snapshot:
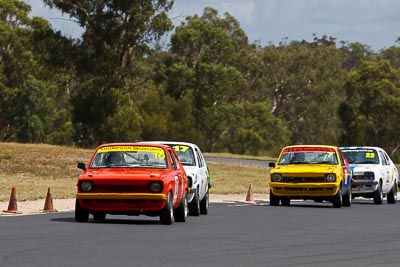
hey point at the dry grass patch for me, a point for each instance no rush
(235, 156)
(33, 168)
(236, 179)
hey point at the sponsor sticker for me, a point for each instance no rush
(309, 149)
(158, 151)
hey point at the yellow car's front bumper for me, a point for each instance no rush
(304, 189)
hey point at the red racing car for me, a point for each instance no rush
(132, 179)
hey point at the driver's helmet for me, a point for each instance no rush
(114, 158)
(299, 157)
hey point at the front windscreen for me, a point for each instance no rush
(129, 156)
(308, 155)
(185, 154)
(361, 156)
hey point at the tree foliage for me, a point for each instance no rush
(34, 100)
(372, 102)
(211, 86)
(300, 79)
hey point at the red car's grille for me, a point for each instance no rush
(104, 188)
(122, 201)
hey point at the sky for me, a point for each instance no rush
(375, 23)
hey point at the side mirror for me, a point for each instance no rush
(271, 164)
(81, 166)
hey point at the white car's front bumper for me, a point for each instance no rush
(363, 186)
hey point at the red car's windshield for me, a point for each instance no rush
(129, 156)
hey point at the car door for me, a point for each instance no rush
(203, 172)
(347, 174)
(178, 174)
(386, 171)
(181, 174)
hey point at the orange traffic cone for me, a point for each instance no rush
(12, 206)
(48, 204)
(250, 197)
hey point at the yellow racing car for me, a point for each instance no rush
(316, 172)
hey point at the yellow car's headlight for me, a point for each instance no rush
(276, 177)
(330, 177)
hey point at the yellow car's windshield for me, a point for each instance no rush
(310, 155)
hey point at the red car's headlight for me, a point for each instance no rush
(86, 186)
(156, 187)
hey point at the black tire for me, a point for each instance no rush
(167, 213)
(273, 200)
(99, 216)
(392, 195)
(285, 201)
(204, 204)
(378, 195)
(194, 205)
(181, 212)
(81, 215)
(348, 198)
(337, 200)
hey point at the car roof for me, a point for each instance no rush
(326, 146)
(134, 144)
(360, 147)
(170, 143)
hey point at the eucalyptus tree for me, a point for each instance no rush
(303, 83)
(210, 63)
(253, 130)
(353, 54)
(13, 19)
(391, 54)
(16, 60)
(33, 70)
(211, 48)
(116, 35)
(372, 106)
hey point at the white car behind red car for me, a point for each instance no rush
(196, 169)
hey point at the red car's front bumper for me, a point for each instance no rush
(121, 203)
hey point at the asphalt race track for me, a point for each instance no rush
(234, 234)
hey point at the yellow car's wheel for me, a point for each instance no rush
(347, 198)
(285, 201)
(337, 200)
(273, 200)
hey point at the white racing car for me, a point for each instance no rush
(197, 172)
(374, 173)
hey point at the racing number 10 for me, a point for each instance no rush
(159, 155)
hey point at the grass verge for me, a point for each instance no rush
(33, 168)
